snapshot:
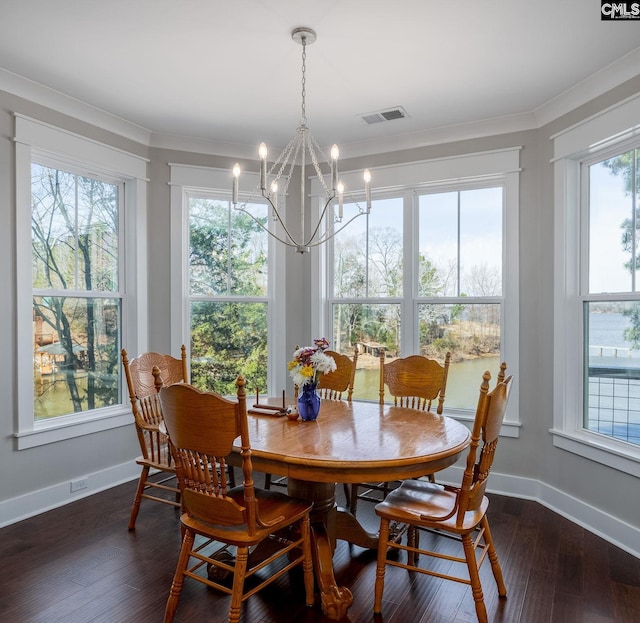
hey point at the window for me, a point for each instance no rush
(76, 298)
(228, 288)
(612, 323)
(426, 272)
(80, 205)
(223, 285)
(367, 289)
(597, 315)
(459, 303)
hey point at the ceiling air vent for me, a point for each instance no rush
(384, 115)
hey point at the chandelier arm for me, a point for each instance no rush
(326, 238)
(324, 210)
(293, 243)
(290, 243)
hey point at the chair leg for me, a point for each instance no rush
(239, 572)
(267, 482)
(474, 576)
(493, 558)
(347, 494)
(178, 577)
(307, 561)
(413, 541)
(381, 564)
(353, 499)
(135, 508)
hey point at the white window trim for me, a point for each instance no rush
(615, 125)
(501, 166)
(35, 137)
(189, 179)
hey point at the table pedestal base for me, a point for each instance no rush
(334, 599)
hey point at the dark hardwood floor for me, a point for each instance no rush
(79, 564)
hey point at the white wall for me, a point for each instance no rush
(595, 495)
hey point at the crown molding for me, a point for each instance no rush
(613, 75)
(599, 83)
(72, 107)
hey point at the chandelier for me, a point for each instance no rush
(274, 182)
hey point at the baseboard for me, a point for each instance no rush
(611, 529)
(606, 526)
(36, 502)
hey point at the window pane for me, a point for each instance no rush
(384, 250)
(371, 328)
(350, 260)
(76, 354)
(438, 244)
(481, 242)
(460, 243)
(612, 338)
(368, 253)
(472, 334)
(613, 243)
(228, 339)
(227, 250)
(97, 235)
(74, 231)
(248, 272)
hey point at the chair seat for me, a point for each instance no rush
(416, 498)
(276, 509)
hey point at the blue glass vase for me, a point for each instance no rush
(309, 402)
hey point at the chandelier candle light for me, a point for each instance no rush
(280, 173)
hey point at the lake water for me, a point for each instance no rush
(608, 330)
(607, 344)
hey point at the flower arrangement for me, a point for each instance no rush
(309, 362)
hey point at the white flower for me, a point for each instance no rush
(322, 362)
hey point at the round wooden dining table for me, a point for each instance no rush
(350, 442)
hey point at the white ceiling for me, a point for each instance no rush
(228, 73)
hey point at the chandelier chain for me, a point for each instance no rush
(303, 119)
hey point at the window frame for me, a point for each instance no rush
(39, 142)
(190, 180)
(499, 167)
(613, 130)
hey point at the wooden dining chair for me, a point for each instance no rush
(415, 382)
(145, 375)
(202, 428)
(457, 512)
(331, 386)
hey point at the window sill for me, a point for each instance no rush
(619, 455)
(49, 432)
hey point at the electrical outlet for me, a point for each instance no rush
(76, 485)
